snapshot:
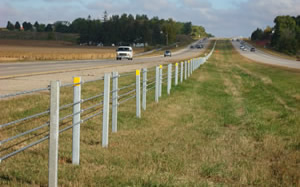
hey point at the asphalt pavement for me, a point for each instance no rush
(20, 76)
(8, 70)
(265, 58)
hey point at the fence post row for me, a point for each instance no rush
(115, 95)
(105, 119)
(186, 69)
(144, 99)
(160, 79)
(138, 94)
(156, 84)
(76, 120)
(54, 134)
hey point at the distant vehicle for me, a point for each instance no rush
(192, 47)
(244, 49)
(124, 52)
(252, 49)
(199, 46)
(167, 53)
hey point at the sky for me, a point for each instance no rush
(222, 18)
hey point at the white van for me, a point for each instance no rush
(124, 52)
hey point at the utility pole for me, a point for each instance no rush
(167, 38)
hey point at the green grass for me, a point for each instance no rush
(232, 123)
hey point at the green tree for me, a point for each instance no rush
(284, 37)
(49, 28)
(187, 28)
(41, 27)
(36, 26)
(267, 33)
(62, 26)
(17, 26)
(257, 34)
(10, 26)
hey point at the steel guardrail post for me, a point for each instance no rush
(76, 120)
(156, 84)
(160, 80)
(176, 74)
(185, 70)
(169, 78)
(181, 72)
(144, 99)
(189, 68)
(138, 93)
(105, 121)
(54, 134)
(114, 110)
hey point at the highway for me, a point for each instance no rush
(20, 76)
(265, 58)
(18, 69)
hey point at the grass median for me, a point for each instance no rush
(233, 123)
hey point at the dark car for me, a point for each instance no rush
(167, 53)
(199, 46)
(252, 49)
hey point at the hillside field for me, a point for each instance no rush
(41, 50)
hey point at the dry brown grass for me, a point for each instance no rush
(31, 50)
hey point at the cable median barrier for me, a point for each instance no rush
(101, 96)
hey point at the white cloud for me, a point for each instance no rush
(236, 18)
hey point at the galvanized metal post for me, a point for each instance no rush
(76, 120)
(176, 74)
(171, 68)
(169, 78)
(190, 68)
(185, 70)
(144, 99)
(160, 79)
(105, 121)
(193, 64)
(54, 134)
(138, 94)
(114, 110)
(181, 72)
(156, 83)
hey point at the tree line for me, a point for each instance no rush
(283, 37)
(118, 29)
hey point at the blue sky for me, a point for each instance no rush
(223, 18)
